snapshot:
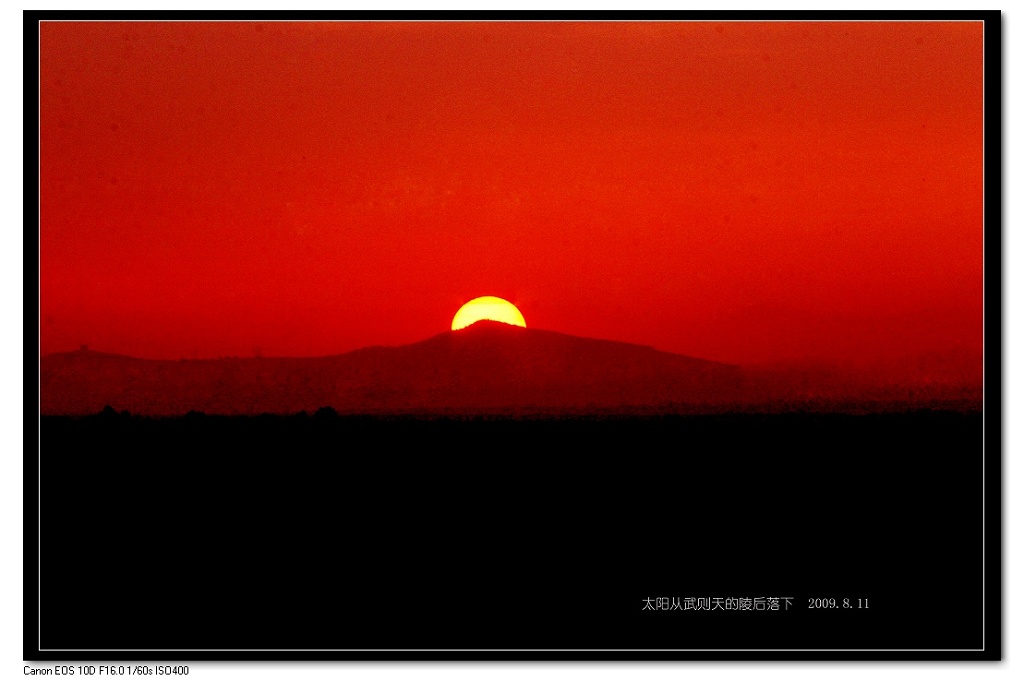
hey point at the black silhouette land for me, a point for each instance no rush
(504, 489)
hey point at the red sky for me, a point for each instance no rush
(735, 191)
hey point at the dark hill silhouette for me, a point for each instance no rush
(488, 367)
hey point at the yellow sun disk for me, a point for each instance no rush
(487, 307)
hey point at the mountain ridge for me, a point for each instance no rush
(488, 367)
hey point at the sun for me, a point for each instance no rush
(487, 307)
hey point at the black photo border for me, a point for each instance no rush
(993, 346)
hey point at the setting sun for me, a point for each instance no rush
(487, 307)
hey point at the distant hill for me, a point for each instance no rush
(486, 368)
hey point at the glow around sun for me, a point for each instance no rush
(487, 307)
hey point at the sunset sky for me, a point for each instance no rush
(745, 192)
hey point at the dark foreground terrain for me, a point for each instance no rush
(374, 533)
